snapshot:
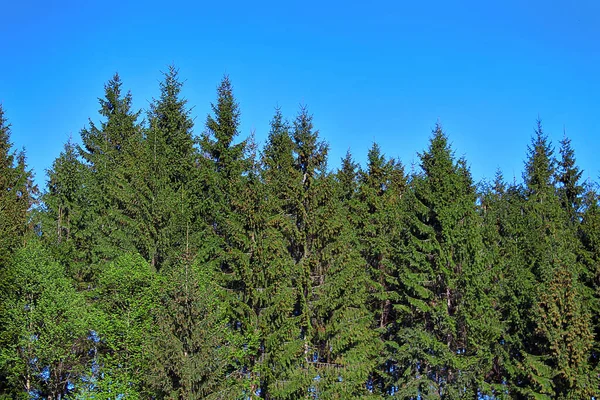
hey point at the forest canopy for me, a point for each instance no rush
(171, 259)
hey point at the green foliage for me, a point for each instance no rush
(444, 307)
(63, 223)
(568, 177)
(45, 336)
(169, 170)
(126, 297)
(170, 266)
(566, 325)
(17, 194)
(108, 149)
(192, 345)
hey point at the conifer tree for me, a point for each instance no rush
(108, 149)
(378, 216)
(347, 176)
(340, 345)
(443, 330)
(568, 177)
(549, 363)
(63, 216)
(230, 183)
(17, 194)
(275, 272)
(191, 348)
(510, 284)
(381, 187)
(565, 323)
(170, 168)
(590, 239)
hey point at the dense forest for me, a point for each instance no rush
(165, 260)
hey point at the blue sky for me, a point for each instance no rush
(368, 71)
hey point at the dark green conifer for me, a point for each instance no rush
(568, 177)
(192, 349)
(443, 327)
(232, 192)
(63, 221)
(340, 346)
(171, 170)
(17, 194)
(347, 176)
(108, 150)
(275, 299)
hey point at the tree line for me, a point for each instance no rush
(159, 263)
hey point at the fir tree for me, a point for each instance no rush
(191, 350)
(276, 273)
(63, 222)
(170, 169)
(568, 177)
(17, 194)
(107, 150)
(443, 329)
(230, 183)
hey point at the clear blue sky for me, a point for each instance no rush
(368, 71)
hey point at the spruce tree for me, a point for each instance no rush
(590, 238)
(347, 176)
(380, 191)
(340, 346)
(229, 182)
(550, 355)
(192, 349)
(565, 323)
(443, 330)
(63, 223)
(377, 215)
(17, 194)
(510, 285)
(568, 177)
(276, 295)
(170, 170)
(108, 149)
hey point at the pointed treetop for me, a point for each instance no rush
(277, 123)
(347, 176)
(499, 184)
(569, 178)
(539, 167)
(170, 87)
(348, 165)
(115, 131)
(312, 153)
(113, 103)
(6, 158)
(225, 123)
(279, 143)
(439, 156)
(376, 161)
(221, 129)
